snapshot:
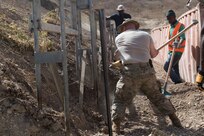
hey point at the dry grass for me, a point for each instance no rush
(18, 35)
(14, 35)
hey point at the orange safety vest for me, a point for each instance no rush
(182, 45)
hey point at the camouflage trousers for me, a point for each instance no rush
(138, 78)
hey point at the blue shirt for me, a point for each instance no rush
(119, 18)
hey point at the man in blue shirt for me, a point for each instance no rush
(120, 16)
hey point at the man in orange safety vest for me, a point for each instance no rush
(175, 27)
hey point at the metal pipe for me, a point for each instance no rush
(194, 23)
(36, 20)
(105, 66)
(66, 89)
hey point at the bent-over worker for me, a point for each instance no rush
(134, 49)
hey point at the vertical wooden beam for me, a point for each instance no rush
(58, 84)
(75, 24)
(83, 70)
(36, 21)
(93, 47)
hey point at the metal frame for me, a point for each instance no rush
(51, 57)
(61, 56)
(76, 24)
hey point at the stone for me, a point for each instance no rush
(19, 108)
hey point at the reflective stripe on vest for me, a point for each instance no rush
(182, 45)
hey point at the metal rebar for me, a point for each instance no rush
(105, 66)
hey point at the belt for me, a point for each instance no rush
(137, 69)
(138, 64)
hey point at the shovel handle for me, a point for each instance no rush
(173, 38)
(170, 65)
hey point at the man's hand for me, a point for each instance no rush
(116, 55)
(116, 65)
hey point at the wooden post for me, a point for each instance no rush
(83, 70)
(36, 24)
(93, 48)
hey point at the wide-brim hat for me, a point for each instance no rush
(128, 21)
(120, 7)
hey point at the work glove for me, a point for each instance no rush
(116, 65)
(200, 80)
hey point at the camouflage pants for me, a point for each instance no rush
(135, 78)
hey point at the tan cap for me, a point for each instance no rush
(120, 7)
(127, 21)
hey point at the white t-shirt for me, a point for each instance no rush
(134, 46)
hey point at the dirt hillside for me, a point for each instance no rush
(149, 13)
(19, 113)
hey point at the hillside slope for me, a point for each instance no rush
(149, 13)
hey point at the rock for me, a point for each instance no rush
(34, 129)
(1, 72)
(6, 102)
(56, 126)
(79, 122)
(9, 111)
(157, 132)
(187, 125)
(102, 123)
(104, 130)
(2, 88)
(19, 108)
(46, 122)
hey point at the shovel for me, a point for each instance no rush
(163, 89)
(194, 22)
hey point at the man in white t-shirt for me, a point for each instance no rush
(134, 49)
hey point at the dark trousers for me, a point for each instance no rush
(174, 73)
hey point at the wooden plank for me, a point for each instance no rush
(57, 29)
(58, 81)
(82, 79)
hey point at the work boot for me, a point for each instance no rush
(116, 128)
(175, 121)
